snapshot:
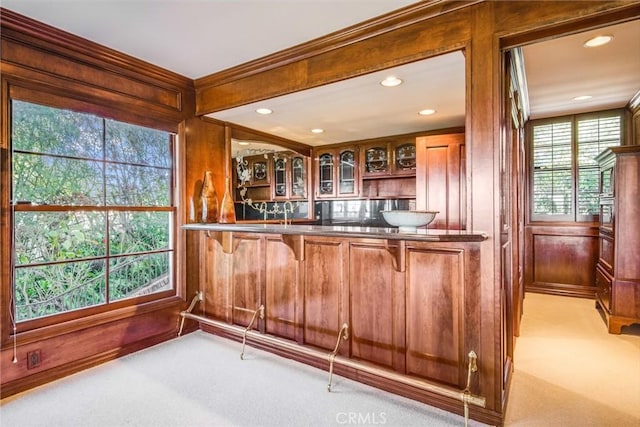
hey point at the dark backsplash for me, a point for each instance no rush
(357, 212)
(246, 212)
(330, 212)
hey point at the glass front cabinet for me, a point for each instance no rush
(279, 178)
(376, 160)
(389, 158)
(337, 173)
(290, 173)
(299, 178)
(404, 157)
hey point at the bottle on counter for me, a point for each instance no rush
(209, 199)
(227, 209)
(195, 211)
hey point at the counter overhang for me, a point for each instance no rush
(429, 235)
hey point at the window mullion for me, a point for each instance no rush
(107, 219)
(574, 168)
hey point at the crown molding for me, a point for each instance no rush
(403, 17)
(35, 33)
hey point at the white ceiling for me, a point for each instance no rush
(361, 108)
(195, 38)
(199, 37)
(559, 70)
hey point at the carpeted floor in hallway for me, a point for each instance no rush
(569, 371)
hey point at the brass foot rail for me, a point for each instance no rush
(260, 311)
(342, 335)
(462, 396)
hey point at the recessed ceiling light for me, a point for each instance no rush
(317, 130)
(582, 98)
(243, 143)
(391, 81)
(264, 111)
(427, 112)
(598, 41)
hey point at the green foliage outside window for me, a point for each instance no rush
(77, 240)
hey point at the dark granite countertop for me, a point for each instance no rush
(430, 235)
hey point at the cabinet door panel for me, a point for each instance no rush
(441, 179)
(337, 173)
(280, 190)
(436, 172)
(214, 277)
(435, 314)
(260, 171)
(375, 159)
(347, 165)
(603, 288)
(606, 253)
(325, 175)
(281, 290)
(376, 307)
(246, 279)
(404, 157)
(324, 293)
(299, 180)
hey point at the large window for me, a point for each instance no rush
(93, 211)
(564, 173)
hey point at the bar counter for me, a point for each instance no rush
(400, 311)
(429, 235)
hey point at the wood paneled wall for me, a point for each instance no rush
(203, 149)
(62, 354)
(113, 84)
(561, 260)
(45, 65)
(44, 58)
(420, 31)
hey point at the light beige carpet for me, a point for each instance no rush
(199, 380)
(569, 371)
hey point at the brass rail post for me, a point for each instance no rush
(342, 335)
(466, 393)
(259, 311)
(197, 298)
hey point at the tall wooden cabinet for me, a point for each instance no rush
(441, 179)
(618, 269)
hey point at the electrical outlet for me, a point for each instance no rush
(33, 359)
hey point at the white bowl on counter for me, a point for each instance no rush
(408, 221)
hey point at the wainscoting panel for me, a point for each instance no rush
(561, 259)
